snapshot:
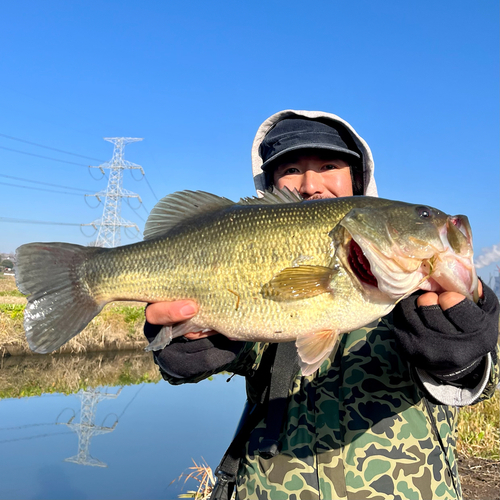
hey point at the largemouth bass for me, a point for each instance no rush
(270, 269)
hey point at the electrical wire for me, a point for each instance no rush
(47, 147)
(29, 221)
(149, 185)
(35, 437)
(44, 157)
(39, 189)
(44, 183)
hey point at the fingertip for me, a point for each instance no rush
(167, 313)
(188, 309)
(428, 299)
(450, 299)
(480, 290)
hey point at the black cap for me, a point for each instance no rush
(293, 134)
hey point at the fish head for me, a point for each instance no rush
(399, 248)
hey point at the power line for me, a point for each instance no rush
(149, 185)
(44, 157)
(39, 182)
(34, 437)
(25, 426)
(39, 189)
(29, 221)
(48, 147)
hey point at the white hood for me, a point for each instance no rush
(370, 188)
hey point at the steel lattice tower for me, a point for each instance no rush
(111, 222)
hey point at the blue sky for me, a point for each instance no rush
(418, 80)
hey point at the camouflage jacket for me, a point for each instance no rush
(361, 427)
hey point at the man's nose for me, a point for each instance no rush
(312, 183)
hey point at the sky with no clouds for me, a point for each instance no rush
(418, 80)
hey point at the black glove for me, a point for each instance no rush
(184, 358)
(447, 344)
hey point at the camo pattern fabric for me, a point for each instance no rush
(359, 428)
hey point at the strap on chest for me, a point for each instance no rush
(283, 370)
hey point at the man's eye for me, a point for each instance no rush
(290, 170)
(330, 166)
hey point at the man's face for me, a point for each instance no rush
(315, 177)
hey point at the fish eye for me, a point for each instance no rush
(424, 212)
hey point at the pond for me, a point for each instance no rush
(106, 426)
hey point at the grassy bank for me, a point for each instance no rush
(479, 429)
(118, 326)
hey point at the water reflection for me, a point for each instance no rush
(86, 428)
(151, 431)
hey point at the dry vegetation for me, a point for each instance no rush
(119, 326)
(479, 429)
(202, 473)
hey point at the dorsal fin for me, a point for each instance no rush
(274, 197)
(180, 207)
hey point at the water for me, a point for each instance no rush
(122, 441)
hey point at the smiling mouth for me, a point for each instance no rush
(360, 265)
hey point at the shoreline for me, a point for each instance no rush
(118, 327)
(7, 351)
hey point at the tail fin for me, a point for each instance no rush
(60, 304)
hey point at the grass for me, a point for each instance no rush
(11, 293)
(203, 475)
(119, 324)
(478, 429)
(14, 311)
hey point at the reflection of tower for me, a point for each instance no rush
(111, 221)
(86, 429)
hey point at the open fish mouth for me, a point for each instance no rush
(445, 265)
(453, 269)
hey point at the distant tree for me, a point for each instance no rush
(7, 263)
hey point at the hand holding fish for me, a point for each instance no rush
(446, 335)
(445, 300)
(169, 313)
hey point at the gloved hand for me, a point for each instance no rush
(184, 358)
(447, 344)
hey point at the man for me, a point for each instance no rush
(377, 420)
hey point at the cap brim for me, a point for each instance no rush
(327, 147)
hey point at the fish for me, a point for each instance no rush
(271, 269)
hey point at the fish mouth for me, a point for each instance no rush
(360, 265)
(453, 269)
(397, 273)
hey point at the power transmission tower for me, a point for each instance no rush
(111, 222)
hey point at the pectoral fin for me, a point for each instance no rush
(314, 348)
(300, 282)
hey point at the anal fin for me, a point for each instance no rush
(314, 348)
(161, 340)
(167, 333)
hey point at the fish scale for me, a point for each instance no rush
(268, 270)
